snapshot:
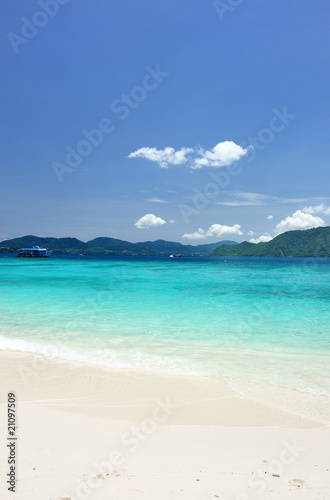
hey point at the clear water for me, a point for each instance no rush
(263, 325)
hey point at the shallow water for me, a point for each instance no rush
(263, 325)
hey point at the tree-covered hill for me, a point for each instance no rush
(104, 245)
(307, 243)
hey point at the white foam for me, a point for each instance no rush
(108, 358)
(307, 397)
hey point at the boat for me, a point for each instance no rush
(35, 252)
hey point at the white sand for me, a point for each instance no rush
(86, 432)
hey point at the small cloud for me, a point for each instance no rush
(156, 200)
(302, 200)
(262, 239)
(216, 230)
(164, 157)
(255, 197)
(239, 199)
(172, 221)
(197, 235)
(219, 230)
(223, 154)
(167, 190)
(322, 208)
(233, 203)
(270, 217)
(299, 220)
(149, 220)
(250, 233)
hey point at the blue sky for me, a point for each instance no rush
(192, 121)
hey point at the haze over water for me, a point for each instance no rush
(262, 325)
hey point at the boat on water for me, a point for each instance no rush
(35, 252)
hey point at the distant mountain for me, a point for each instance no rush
(109, 245)
(50, 243)
(113, 246)
(308, 243)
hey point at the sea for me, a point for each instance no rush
(262, 325)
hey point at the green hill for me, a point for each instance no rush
(104, 245)
(308, 243)
(58, 244)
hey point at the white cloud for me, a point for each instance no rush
(216, 230)
(238, 198)
(270, 217)
(149, 220)
(219, 230)
(234, 203)
(299, 220)
(322, 208)
(223, 154)
(156, 200)
(244, 199)
(313, 199)
(262, 239)
(197, 235)
(164, 157)
(250, 233)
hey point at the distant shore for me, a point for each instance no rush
(87, 430)
(308, 243)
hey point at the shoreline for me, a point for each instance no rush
(198, 400)
(90, 432)
(160, 256)
(301, 400)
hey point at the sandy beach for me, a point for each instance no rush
(165, 250)
(88, 432)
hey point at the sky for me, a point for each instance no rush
(186, 120)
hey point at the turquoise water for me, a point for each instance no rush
(260, 324)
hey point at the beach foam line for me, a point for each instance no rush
(115, 360)
(303, 401)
